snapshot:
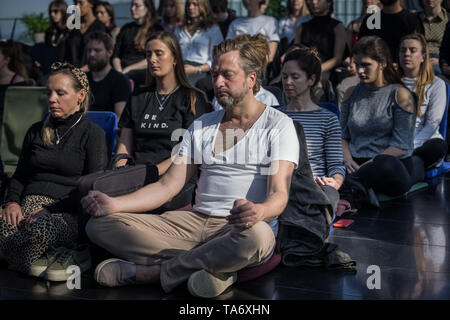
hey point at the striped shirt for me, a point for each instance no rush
(323, 139)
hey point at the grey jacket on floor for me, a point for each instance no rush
(306, 220)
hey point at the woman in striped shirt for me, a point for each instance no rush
(300, 73)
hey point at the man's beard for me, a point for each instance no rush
(97, 65)
(229, 101)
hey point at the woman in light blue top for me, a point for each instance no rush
(296, 13)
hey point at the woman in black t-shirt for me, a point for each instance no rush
(167, 104)
(154, 113)
(129, 50)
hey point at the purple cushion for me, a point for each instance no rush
(251, 273)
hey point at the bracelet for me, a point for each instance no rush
(200, 69)
(8, 203)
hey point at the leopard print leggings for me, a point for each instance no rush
(23, 245)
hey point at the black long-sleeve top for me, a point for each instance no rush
(125, 49)
(53, 171)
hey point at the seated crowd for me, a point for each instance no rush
(248, 95)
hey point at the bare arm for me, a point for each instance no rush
(190, 69)
(339, 47)
(349, 35)
(125, 144)
(141, 65)
(164, 166)
(118, 108)
(116, 64)
(349, 163)
(273, 50)
(246, 213)
(393, 151)
(145, 199)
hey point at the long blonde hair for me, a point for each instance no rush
(48, 132)
(172, 43)
(303, 12)
(426, 73)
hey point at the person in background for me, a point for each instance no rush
(257, 22)
(444, 54)
(418, 76)
(38, 227)
(197, 37)
(222, 15)
(349, 81)
(378, 120)
(57, 33)
(110, 88)
(12, 67)
(300, 73)
(296, 13)
(104, 12)
(396, 22)
(354, 26)
(325, 34)
(171, 13)
(129, 50)
(434, 19)
(74, 51)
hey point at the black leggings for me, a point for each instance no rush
(390, 175)
(432, 151)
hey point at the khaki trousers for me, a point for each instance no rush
(182, 242)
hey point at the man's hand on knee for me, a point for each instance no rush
(98, 204)
(245, 214)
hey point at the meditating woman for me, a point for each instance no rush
(39, 223)
(378, 120)
(300, 74)
(155, 112)
(418, 76)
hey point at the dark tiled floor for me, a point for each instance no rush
(409, 239)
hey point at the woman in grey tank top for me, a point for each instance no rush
(378, 119)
